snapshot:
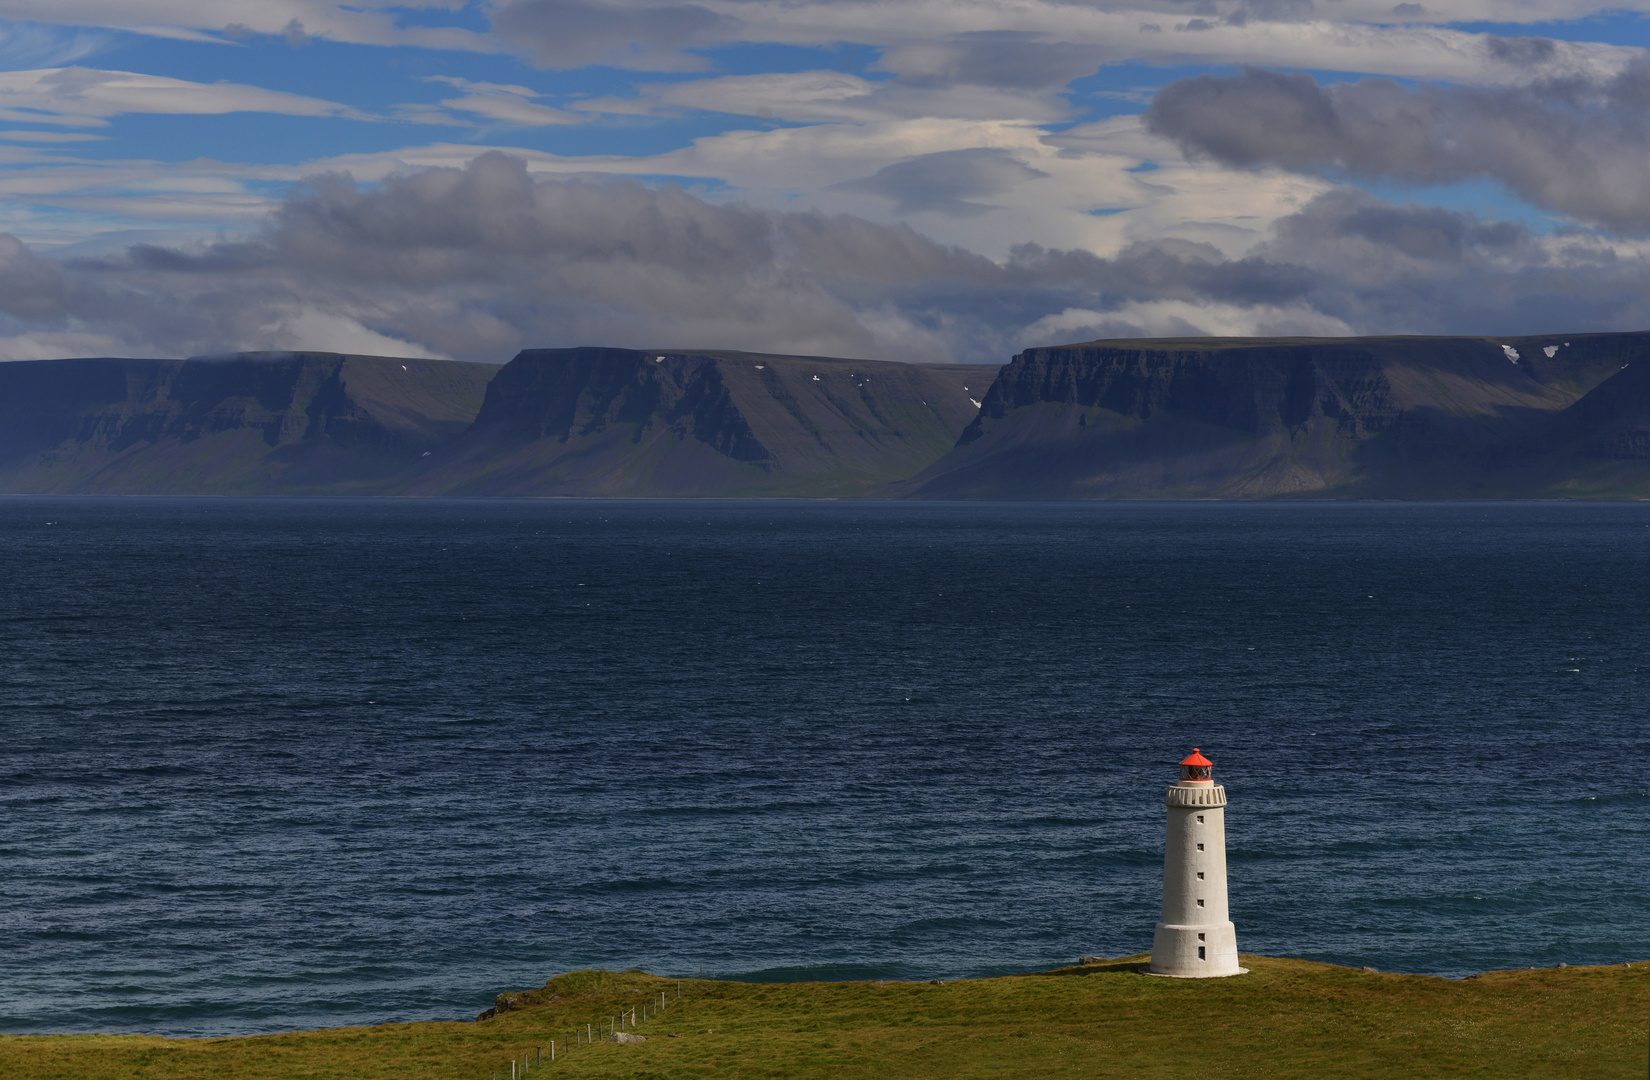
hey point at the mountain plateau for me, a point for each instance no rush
(1561, 416)
(1394, 417)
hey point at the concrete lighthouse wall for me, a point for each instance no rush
(1196, 939)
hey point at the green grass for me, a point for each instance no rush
(1287, 1019)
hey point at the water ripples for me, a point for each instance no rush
(281, 764)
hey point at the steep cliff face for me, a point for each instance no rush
(1612, 423)
(596, 421)
(1377, 417)
(254, 423)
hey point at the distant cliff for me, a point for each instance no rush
(249, 424)
(1558, 416)
(596, 421)
(1406, 418)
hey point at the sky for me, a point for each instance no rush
(905, 180)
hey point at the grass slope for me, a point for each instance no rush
(1288, 1019)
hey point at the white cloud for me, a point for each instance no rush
(480, 261)
(821, 166)
(1182, 318)
(50, 136)
(87, 97)
(52, 344)
(1349, 35)
(328, 331)
(1366, 36)
(510, 109)
(33, 45)
(368, 22)
(503, 103)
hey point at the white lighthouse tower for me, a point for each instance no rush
(1196, 939)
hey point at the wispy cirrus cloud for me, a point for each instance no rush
(367, 22)
(502, 103)
(831, 97)
(88, 97)
(947, 42)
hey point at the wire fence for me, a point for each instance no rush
(611, 1029)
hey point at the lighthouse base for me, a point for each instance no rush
(1206, 951)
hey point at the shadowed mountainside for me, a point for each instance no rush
(249, 424)
(1397, 417)
(622, 422)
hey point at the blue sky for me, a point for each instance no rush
(982, 134)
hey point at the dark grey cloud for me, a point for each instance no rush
(1520, 51)
(1576, 147)
(946, 182)
(482, 261)
(574, 33)
(30, 287)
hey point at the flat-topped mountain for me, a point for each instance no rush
(595, 421)
(1395, 417)
(248, 424)
(580, 422)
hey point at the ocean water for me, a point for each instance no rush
(285, 764)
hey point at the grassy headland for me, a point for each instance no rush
(1289, 1018)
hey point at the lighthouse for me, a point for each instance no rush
(1196, 939)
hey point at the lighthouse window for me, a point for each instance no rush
(1200, 875)
(1201, 950)
(1203, 937)
(1200, 903)
(1200, 847)
(1200, 819)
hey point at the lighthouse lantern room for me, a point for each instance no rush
(1195, 939)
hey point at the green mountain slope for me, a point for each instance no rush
(1404, 417)
(622, 422)
(251, 424)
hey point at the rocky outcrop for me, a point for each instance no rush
(1358, 417)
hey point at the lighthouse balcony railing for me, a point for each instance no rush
(1198, 796)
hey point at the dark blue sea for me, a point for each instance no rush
(287, 764)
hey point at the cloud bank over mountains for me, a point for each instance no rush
(917, 180)
(477, 262)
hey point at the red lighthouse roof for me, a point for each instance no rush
(1196, 759)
